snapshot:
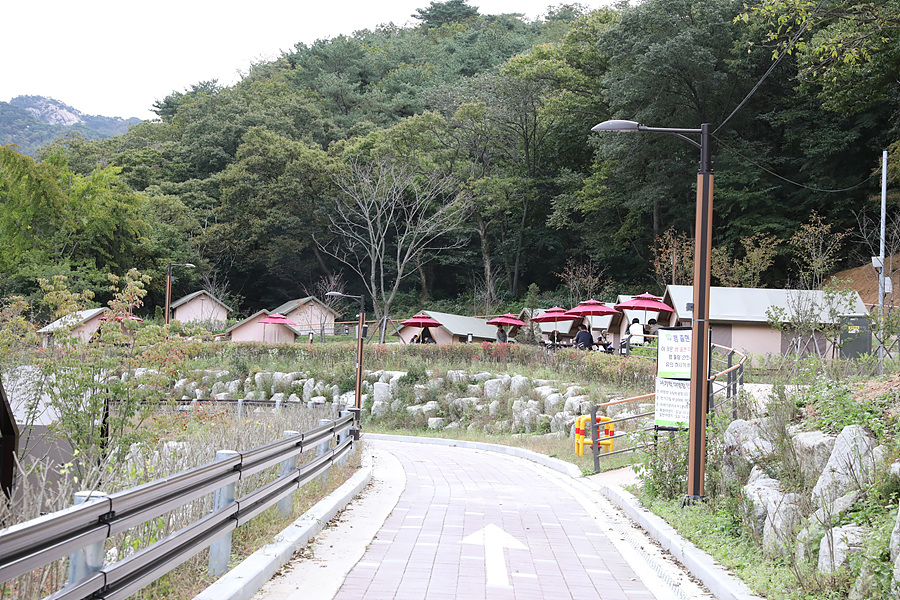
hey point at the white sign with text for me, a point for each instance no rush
(673, 402)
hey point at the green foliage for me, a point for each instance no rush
(832, 405)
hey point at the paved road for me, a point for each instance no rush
(471, 525)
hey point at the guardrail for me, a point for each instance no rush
(33, 544)
(727, 381)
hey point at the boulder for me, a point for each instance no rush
(294, 399)
(420, 392)
(278, 398)
(837, 546)
(493, 388)
(494, 408)
(813, 449)
(308, 386)
(482, 377)
(850, 466)
(457, 376)
(263, 380)
(574, 390)
(895, 538)
(747, 439)
(574, 403)
(379, 407)
(217, 388)
(317, 402)
(437, 423)
(553, 403)
(473, 390)
(545, 390)
(382, 392)
(222, 397)
(519, 385)
(255, 396)
(234, 387)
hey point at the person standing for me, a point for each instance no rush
(501, 335)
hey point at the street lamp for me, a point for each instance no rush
(359, 346)
(169, 284)
(700, 325)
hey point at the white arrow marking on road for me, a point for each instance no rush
(494, 541)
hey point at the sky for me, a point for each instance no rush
(117, 58)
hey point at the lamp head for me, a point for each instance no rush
(334, 294)
(617, 125)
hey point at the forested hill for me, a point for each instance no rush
(30, 122)
(485, 119)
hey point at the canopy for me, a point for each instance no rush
(278, 319)
(592, 308)
(554, 315)
(420, 320)
(645, 302)
(508, 319)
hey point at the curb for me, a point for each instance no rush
(542, 459)
(247, 578)
(716, 578)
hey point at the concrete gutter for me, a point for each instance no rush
(244, 580)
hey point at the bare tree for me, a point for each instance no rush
(868, 235)
(332, 282)
(388, 220)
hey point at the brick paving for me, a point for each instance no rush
(558, 552)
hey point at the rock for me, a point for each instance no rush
(763, 492)
(281, 381)
(553, 403)
(436, 423)
(263, 380)
(482, 377)
(493, 388)
(234, 387)
(217, 388)
(453, 425)
(308, 386)
(747, 439)
(278, 398)
(574, 390)
(387, 376)
(573, 404)
(382, 392)
(494, 408)
(473, 390)
(813, 449)
(457, 376)
(545, 390)
(379, 407)
(255, 396)
(895, 538)
(837, 546)
(462, 406)
(318, 388)
(222, 397)
(335, 392)
(519, 385)
(420, 392)
(294, 399)
(317, 401)
(850, 465)
(782, 520)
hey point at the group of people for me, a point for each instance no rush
(636, 331)
(425, 338)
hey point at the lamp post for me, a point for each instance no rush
(359, 345)
(169, 284)
(700, 324)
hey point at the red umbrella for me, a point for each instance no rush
(645, 302)
(278, 319)
(507, 319)
(592, 308)
(553, 315)
(420, 320)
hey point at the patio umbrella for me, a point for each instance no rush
(420, 320)
(506, 320)
(645, 302)
(276, 319)
(553, 315)
(592, 308)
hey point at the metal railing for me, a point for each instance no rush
(33, 544)
(728, 381)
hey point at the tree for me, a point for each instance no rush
(443, 13)
(387, 218)
(759, 253)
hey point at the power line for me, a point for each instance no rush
(792, 182)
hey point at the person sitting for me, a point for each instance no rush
(414, 339)
(426, 337)
(654, 327)
(584, 339)
(636, 333)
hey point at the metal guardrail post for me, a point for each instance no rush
(240, 404)
(89, 559)
(343, 435)
(323, 448)
(286, 504)
(220, 550)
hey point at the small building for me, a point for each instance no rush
(251, 330)
(454, 329)
(202, 307)
(82, 325)
(310, 314)
(739, 317)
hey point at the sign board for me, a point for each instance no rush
(673, 402)
(674, 357)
